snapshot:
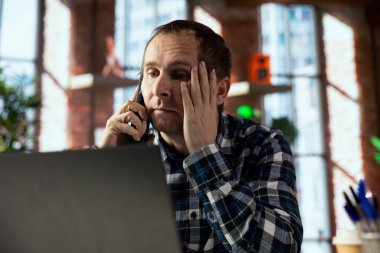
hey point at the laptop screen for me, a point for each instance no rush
(112, 200)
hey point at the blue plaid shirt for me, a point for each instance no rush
(237, 195)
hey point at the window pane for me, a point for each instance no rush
(302, 40)
(315, 247)
(284, 31)
(18, 29)
(274, 27)
(169, 10)
(313, 196)
(121, 95)
(308, 114)
(18, 36)
(135, 20)
(276, 106)
(13, 70)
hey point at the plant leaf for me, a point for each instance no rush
(377, 157)
(375, 142)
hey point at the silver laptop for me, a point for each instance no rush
(88, 201)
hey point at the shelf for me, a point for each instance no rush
(86, 81)
(255, 90)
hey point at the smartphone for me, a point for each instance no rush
(124, 138)
(139, 97)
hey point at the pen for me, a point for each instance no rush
(376, 204)
(367, 207)
(369, 211)
(355, 195)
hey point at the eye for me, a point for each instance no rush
(152, 73)
(181, 75)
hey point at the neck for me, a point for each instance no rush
(176, 143)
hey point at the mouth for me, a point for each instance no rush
(162, 110)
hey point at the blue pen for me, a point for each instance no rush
(369, 210)
(354, 216)
(355, 213)
(367, 207)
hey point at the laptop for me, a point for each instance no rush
(87, 201)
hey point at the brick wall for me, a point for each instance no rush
(91, 23)
(89, 108)
(372, 109)
(355, 18)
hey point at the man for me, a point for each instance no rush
(232, 180)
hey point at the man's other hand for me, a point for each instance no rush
(200, 109)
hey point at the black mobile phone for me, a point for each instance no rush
(124, 138)
(139, 97)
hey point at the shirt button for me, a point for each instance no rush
(211, 216)
(193, 215)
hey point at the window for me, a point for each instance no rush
(18, 45)
(289, 38)
(135, 20)
(18, 25)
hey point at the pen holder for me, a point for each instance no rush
(347, 241)
(370, 242)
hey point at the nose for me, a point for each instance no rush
(161, 86)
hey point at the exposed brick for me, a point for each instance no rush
(89, 109)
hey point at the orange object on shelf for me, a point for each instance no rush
(259, 68)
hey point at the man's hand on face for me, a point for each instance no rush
(120, 123)
(200, 124)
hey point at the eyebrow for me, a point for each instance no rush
(172, 64)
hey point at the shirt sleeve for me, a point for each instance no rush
(258, 213)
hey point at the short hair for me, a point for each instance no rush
(212, 48)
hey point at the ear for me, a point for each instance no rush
(223, 88)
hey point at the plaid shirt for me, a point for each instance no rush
(237, 195)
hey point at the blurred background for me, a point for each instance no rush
(308, 67)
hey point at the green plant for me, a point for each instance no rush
(287, 127)
(14, 124)
(376, 143)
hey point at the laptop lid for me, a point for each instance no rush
(112, 200)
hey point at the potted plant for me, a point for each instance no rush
(14, 124)
(287, 127)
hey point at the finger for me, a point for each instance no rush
(141, 126)
(204, 83)
(131, 118)
(213, 87)
(135, 107)
(188, 106)
(127, 129)
(195, 91)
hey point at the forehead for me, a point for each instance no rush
(169, 47)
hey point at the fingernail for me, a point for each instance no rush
(203, 63)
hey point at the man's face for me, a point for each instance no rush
(168, 62)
